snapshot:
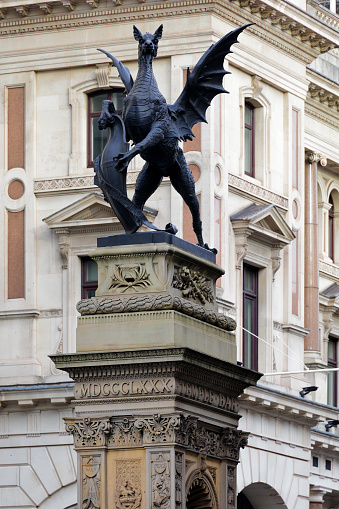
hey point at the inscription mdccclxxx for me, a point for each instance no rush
(123, 388)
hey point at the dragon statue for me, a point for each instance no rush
(155, 128)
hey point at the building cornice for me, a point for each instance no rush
(279, 23)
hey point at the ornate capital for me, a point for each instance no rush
(315, 157)
(158, 429)
(88, 432)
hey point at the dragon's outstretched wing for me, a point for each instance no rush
(202, 85)
(124, 73)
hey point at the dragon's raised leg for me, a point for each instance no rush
(183, 182)
(148, 181)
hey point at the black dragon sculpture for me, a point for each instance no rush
(155, 128)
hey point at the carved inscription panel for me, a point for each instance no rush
(121, 388)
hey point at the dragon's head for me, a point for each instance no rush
(148, 43)
(107, 115)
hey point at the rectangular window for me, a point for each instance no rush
(96, 138)
(89, 277)
(315, 461)
(249, 140)
(332, 379)
(295, 148)
(250, 317)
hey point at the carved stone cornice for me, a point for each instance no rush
(293, 22)
(315, 157)
(323, 96)
(249, 189)
(108, 305)
(188, 432)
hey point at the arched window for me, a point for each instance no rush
(96, 139)
(331, 229)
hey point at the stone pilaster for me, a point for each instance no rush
(312, 251)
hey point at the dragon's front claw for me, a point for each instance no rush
(122, 161)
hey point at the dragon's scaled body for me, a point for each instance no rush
(156, 128)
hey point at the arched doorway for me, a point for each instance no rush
(259, 495)
(201, 493)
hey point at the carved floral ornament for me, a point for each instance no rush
(133, 276)
(182, 430)
(192, 285)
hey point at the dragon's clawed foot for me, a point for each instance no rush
(122, 161)
(206, 246)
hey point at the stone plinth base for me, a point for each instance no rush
(156, 380)
(150, 329)
(156, 424)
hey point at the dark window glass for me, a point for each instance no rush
(96, 138)
(249, 140)
(331, 229)
(89, 277)
(332, 377)
(328, 465)
(315, 461)
(250, 317)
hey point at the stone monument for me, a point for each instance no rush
(155, 371)
(156, 380)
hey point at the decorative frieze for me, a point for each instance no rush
(64, 184)
(187, 432)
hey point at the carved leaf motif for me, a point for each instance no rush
(130, 276)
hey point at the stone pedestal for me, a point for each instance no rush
(156, 380)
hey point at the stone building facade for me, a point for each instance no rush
(266, 168)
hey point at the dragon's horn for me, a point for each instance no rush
(158, 32)
(137, 34)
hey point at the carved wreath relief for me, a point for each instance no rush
(130, 276)
(161, 486)
(91, 483)
(193, 285)
(128, 484)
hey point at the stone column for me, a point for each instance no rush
(311, 251)
(317, 494)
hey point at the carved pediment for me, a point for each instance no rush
(90, 211)
(263, 223)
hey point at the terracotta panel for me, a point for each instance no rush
(195, 144)
(16, 255)
(188, 232)
(16, 127)
(16, 189)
